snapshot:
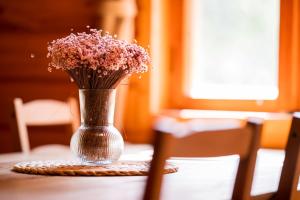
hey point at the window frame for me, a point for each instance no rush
(288, 81)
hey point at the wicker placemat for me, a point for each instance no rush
(71, 168)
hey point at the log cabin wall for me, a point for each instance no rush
(26, 27)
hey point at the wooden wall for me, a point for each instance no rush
(26, 27)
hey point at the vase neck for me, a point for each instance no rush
(97, 106)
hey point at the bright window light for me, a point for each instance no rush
(232, 49)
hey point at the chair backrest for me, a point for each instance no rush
(289, 178)
(41, 113)
(177, 139)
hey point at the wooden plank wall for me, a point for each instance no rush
(26, 27)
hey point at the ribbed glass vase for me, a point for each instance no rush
(97, 141)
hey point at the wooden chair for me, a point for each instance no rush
(118, 17)
(287, 189)
(178, 140)
(41, 113)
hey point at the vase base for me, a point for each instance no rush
(95, 163)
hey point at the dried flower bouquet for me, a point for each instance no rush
(95, 60)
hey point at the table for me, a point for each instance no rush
(201, 178)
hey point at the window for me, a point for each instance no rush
(234, 55)
(232, 49)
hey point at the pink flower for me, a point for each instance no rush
(98, 52)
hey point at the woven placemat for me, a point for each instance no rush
(72, 168)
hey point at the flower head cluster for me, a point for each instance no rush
(100, 52)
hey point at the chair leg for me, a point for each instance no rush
(155, 177)
(291, 167)
(245, 173)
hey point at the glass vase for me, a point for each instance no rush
(97, 141)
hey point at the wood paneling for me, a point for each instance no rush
(45, 16)
(26, 27)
